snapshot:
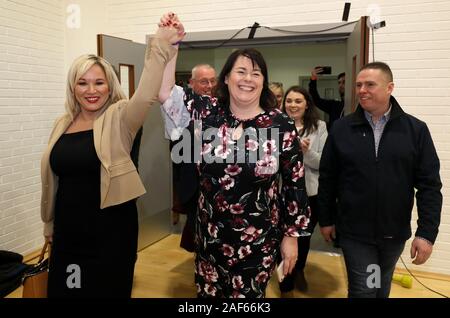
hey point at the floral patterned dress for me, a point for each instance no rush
(242, 211)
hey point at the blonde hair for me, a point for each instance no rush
(79, 67)
(197, 67)
(276, 85)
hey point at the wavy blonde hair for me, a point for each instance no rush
(79, 67)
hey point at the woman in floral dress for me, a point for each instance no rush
(244, 145)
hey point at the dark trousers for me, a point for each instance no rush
(303, 244)
(370, 266)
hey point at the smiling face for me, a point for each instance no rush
(204, 80)
(374, 89)
(92, 90)
(295, 104)
(245, 83)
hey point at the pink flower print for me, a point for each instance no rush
(298, 171)
(227, 250)
(208, 272)
(308, 212)
(293, 208)
(224, 132)
(244, 251)
(302, 221)
(237, 282)
(212, 230)
(189, 105)
(221, 204)
(264, 121)
(267, 261)
(232, 262)
(266, 167)
(226, 182)
(288, 139)
(272, 113)
(205, 113)
(210, 290)
(267, 247)
(233, 170)
(236, 209)
(270, 147)
(274, 215)
(251, 145)
(262, 277)
(250, 234)
(237, 294)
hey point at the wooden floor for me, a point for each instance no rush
(164, 270)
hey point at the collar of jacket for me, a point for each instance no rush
(358, 117)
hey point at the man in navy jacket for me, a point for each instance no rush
(371, 164)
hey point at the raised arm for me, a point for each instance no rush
(175, 115)
(160, 51)
(325, 105)
(168, 80)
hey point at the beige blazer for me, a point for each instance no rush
(114, 132)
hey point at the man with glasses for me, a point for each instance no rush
(375, 161)
(185, 192)
(203, 79)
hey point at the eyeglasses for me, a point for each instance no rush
(205, 81)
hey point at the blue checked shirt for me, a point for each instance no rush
(378, 127)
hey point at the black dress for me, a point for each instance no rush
(94, 250)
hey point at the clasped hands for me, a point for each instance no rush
(170, 28)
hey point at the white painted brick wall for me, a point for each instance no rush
(31, 96)
(415, 42)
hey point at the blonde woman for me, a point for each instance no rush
(277, 90)
(89, 180)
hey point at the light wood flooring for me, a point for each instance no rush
(164, 270)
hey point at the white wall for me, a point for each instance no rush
(285, 63)
(84, 19)
(38, 42)
(31, 94)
